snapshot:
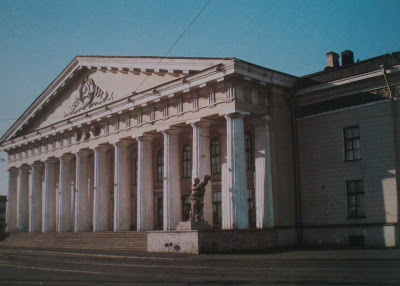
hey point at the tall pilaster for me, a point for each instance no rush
(12, 201)
(65, 197)
(35, 202)
(234, 191)
(201, 162)
(49, 215)
(145, 209)
(263, 192)
(101, 192)
(23, 199)
(82, 207)
(122, 187)
(172, 202)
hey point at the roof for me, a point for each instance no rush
(356, 68)
(189, 65)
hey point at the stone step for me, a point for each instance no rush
(84, 240)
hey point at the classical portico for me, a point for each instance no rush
(114, 145)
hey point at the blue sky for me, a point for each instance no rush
(39, 38)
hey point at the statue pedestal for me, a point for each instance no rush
(193, 225)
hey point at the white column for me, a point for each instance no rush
(65, 198)
(234, 191)
(35, 202)
(23, 199)
(263, 193)
(144, 201)
(49, 214)
(101, 192)
(82, 207)
(12, 201)
(122, 189)
(202, 163)
(172, 202)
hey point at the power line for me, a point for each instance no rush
(177, 40)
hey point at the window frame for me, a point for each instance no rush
(160, 165)
(215, 167)
(359, 195)
(186, 168)
(248, 149)
(351, 140)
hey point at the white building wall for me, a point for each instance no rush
(324, 172)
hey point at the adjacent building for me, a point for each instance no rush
(114, 143)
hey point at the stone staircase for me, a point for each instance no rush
(130, 240)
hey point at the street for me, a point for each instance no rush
(300, 267)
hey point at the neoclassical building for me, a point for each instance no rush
(114, 143)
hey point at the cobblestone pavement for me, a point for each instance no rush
(297, 267)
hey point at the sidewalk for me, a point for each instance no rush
(273, 255)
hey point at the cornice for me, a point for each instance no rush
(132, 101)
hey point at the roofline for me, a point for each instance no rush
(259, 73)
(346, 66)
(2, 139)
(268, 69)
(158, 57)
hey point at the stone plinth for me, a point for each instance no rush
(193, 225)
(219, 241)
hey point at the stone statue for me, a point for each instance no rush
(197, 196)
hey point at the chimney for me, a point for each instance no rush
(333, 60)
(347, 58)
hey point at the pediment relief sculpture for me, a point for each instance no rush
(89, 95)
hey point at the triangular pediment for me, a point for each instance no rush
(90, 82)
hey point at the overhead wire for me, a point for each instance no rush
(176, 41)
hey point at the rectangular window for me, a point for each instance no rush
(217, 210)
(139, 119)
(116, 124)
(247, 94)
(179, 106)
(229, 92)
(239, 94)
(195, 101)
(254, 95)
(152, 114)
(352, 150)
(165, 111)
(211, 97)
(355, 199)
(252, 208)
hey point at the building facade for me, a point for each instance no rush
(114, 143)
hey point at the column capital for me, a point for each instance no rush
(145, 137)
(260, 120)
(66, 157)
(84, 153)
(234, 114)
(13, 170)
(202, 122)
(24, 167)
(122, 142)
(37, 164)
(101, 148)
(50, 160)
(168, 129)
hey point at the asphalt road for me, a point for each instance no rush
(333, 267)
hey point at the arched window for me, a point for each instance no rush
(186, 161)
(160, 165)
(248, 143)
(215, 157)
